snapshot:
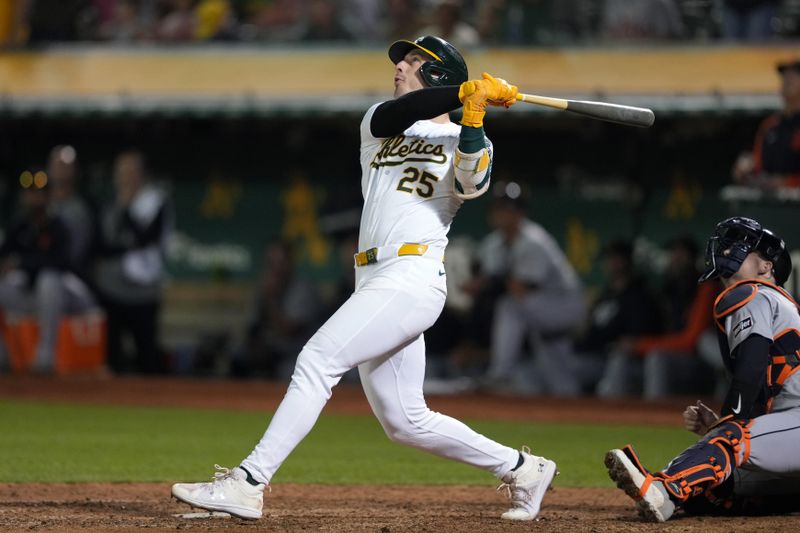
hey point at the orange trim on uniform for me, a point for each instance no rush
(795, 369)
(720, 421)
(635, 458)
(785, 332)
(746, 439)
(648, 480)
(779, 289)
(738, 304)
(785, 373)
(723, 450)
(753, 281)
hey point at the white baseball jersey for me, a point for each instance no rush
(407, 182)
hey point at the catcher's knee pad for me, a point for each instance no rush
(709, 462)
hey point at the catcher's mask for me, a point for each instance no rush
(733, 239)
(447, 66)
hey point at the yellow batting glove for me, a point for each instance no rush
(500, 92)
(473, 94)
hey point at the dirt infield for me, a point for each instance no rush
(129, 506)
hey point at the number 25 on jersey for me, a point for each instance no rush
(424, 182)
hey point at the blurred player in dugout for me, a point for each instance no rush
(623, 307)
(128, 272)
(775, 158)
(535, 297)
(672, 362)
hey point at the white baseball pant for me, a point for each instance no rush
(379, 329)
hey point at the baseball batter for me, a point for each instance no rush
(746, 460)
(418, 168)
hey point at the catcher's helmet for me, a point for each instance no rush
(734, 238)
(447, 66)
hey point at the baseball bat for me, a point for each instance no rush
(620, 114)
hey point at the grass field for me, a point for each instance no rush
(74, 443)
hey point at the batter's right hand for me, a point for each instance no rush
(500, 92)
(699, 417)
(477, 94)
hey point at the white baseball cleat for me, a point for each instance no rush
(527, 485)
(229, 492)
(650, 495)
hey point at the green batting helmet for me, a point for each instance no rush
(447, 66)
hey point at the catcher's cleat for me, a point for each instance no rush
(650, 495)
(527, 485)
(229, 492)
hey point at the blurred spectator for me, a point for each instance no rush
(748, 20)
(134, 228)
(323, 23)
(775, 159)
(464, 23)
(278, 20)
(524, 22)
(14, 22)
(541, 301)
(286, 310)
(632, 20)
(179, 22)
(121, 23)
(515, 22)
(35, 276)
(625, 306)
(54, 21)
(73, 210)
(105, 10)
(572, 21)
(658, 366)
(214, 20)
(447, 23)
(362, 19)
(401, 20)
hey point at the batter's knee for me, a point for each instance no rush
(316, 368)
(403, 426)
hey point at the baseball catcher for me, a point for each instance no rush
(746, 459)
(417, 169)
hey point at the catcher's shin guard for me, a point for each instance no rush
(709, 462)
